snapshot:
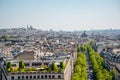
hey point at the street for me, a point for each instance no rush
(90, 76)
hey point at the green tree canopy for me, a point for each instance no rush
(9, 65)
(53, 67)
(21, 65)
(62, 65)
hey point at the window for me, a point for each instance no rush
(46, 64)
(38, 76)
(34, 77)
(45, 76)
(22, 77)
(26, 77)
(14, 65)
(53, 76)
(18, 77)
(30, 77)
(27, 64)
(42, 77)
(12, 77)
(36, 64)
(59, 76)
(49, 76)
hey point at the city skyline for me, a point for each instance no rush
(65, 15)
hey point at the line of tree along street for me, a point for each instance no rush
(97, 61)
(80, 72)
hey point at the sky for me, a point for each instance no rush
(68, 15)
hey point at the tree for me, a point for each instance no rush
(9, 65)
(21, 65)
(97, 64)
(80, 72)
(77, 69)
(82, 48)
(53, 67)
(75, 76)
(112, 73)
(62, 65)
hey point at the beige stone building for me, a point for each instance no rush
(39, 75)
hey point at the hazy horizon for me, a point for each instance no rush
(68, 15)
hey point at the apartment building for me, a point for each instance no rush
(112, 60)
(39, 73)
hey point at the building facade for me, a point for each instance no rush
(39, 75)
